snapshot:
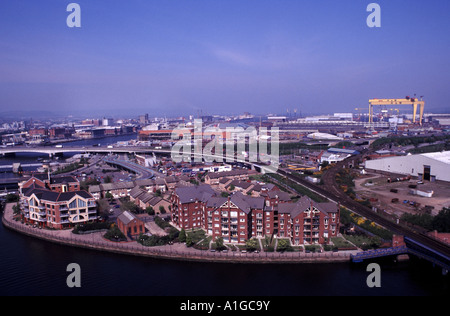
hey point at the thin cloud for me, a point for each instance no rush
(233, 57)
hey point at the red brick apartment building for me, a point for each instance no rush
(239, 217)
(188, 205)
(56, 202)
(308, 222)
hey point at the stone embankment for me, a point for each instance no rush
(178, 251)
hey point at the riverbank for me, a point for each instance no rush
(177, 251)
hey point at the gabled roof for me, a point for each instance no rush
(303, 204)
(136, 192)
(94, 188)
(281, 195)
(47, 195)
(145, 182)
(193, 193)
(243, 202)
(216, 201)
(127, 217)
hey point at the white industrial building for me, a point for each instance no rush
(429, 166)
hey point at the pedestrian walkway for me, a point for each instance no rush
(178, 251)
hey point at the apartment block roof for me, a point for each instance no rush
(51, 196)
(303, 204)
(190, 194)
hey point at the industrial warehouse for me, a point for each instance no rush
(429, 166)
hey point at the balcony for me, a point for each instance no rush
(63, 208)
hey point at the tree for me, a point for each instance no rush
(283, 245)
(189, 241)
(109, 196)
(150, 210)
(219, 243)
(11, 198)
(441, 222)
(16, 208)
(162, 209)
(182, 235)
(251, 244)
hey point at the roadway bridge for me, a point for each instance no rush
(144, 173)
(52, 151)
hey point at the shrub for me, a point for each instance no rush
(114, 234)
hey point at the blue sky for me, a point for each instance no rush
(170, 57)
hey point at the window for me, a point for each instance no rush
(81, 203)
(73, 204)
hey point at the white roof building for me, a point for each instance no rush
(323, 136)
(429, 166)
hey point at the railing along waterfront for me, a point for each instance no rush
(170, 252)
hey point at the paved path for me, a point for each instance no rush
(177, 251)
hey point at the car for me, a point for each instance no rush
(111, 211)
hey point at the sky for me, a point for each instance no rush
(186, 57)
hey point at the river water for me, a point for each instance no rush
(35, 267)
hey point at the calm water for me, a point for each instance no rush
(34, 267)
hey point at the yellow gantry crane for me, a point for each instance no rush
(415, 102)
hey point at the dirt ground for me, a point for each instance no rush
(376, 186)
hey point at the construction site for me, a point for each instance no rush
(405, 195)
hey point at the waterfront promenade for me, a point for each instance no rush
(177, 251)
